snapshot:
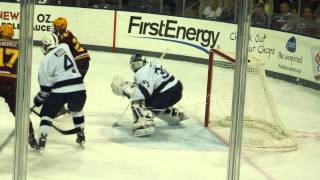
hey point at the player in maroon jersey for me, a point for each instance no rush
(79, 53)
(8, 73)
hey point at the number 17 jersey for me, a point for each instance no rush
(8, 58)
(58, 72)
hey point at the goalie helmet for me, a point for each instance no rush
(137, 61)
(60, 25)
(6, 30)
(49, 42)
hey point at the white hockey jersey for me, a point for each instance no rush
(58, 72)
(151, 79)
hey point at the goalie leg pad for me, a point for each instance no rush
(143, 127)
(143, 124)
(172, 116)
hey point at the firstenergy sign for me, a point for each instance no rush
(170, 29)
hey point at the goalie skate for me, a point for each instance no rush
(183, 116)
(173, 116)
(144, 131)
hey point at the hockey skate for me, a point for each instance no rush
(183, 116)
(144, 131)
(33, 142)
(173, 116)
(42, 141)
(80, 137)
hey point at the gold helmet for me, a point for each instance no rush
(60, 24)
(6, 30)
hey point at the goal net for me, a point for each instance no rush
(262, 127)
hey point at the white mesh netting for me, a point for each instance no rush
(262, 128)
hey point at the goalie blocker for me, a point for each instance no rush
(153, 94)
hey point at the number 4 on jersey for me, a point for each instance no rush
(68, 63)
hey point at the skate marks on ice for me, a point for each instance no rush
(189, 135)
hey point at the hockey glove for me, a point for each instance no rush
(120, 87)
(40, 98)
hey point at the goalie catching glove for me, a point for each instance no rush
(120, 87)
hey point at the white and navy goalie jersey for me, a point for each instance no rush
(150, 80)
(58, 72)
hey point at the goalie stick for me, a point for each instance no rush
(119, 119)
(64, 132)
(115, 124)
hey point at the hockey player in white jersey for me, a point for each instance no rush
(60, 83)
(153, 93)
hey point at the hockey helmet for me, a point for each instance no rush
(49, 42)
(6, 30)
(60, 24)
(137, 61)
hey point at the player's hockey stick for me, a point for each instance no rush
(6, 141)
(67, 132)
(119, 119)
(64, 132)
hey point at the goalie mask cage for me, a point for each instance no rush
(262, 127)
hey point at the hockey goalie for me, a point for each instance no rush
(153, 93)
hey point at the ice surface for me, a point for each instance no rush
(186, 152)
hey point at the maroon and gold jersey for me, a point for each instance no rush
(79, 53)
(8, 58)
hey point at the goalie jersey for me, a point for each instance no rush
(58, 72)
(151, 79)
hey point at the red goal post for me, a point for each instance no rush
(212, 53)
